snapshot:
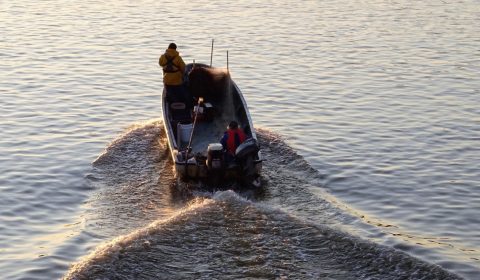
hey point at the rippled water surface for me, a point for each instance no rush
(367, 111)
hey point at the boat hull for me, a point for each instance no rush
(191, 131)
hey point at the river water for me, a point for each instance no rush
(367, 113)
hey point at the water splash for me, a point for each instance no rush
(230, 237)
(283, 234)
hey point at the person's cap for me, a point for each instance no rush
(172, 46)
(233, 125)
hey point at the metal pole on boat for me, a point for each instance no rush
(228, 70)
(200, 101)
(211, 55)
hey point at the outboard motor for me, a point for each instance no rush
(215, 156)
(215, 164)
(245, 155)
(248, 147)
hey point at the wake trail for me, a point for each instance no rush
(286, 233)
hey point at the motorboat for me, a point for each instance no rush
(195, 126)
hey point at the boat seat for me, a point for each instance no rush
(177, 106)
(179, 112)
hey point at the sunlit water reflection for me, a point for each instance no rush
(380, 98)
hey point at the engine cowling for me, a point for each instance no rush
(215, 156)
(247, 148)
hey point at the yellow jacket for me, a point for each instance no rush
(175, 77)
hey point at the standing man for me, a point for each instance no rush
(173, 69)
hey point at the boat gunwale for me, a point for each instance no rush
(172, 144)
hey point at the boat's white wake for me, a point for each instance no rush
(283, 234)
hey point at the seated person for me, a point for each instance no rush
(232, 138)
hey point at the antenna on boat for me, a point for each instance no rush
(228, 70)
(211, 55)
